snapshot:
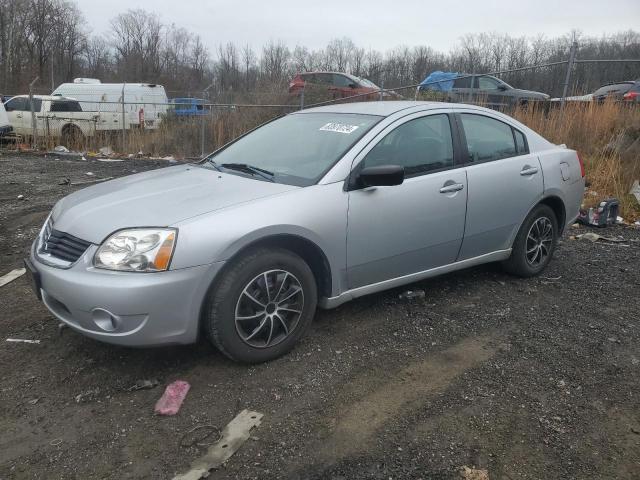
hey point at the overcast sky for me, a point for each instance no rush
(373, 24)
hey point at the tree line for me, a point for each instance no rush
(49, 39)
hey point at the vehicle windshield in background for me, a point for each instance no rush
(297, 149)
(368, 83)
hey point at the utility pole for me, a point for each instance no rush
(572, 59)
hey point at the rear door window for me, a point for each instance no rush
(488, 139)
(341, 80)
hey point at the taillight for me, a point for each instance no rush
(631, 96)
(581, 165)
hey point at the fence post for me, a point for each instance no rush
(302, 98)
(123, 121)
(204, 118)
(34, 123)
(381, 89)
(572, 59)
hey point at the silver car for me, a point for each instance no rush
(312, 209)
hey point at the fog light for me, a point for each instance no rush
(107, 321)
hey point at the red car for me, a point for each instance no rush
(339, 85)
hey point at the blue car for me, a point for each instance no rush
(189, 107)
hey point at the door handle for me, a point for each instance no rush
(454, 187)
(528, 170)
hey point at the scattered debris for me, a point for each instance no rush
(106, 151)
(34, 401)
(594, 237)
(61, 327)
(233, 437)
(110, 160)
(65, 181)
(473, 474)
(411, 294)
(603, 215)
(11, 276)
(635, 190)
(61, 149)
(56, 442)
(20, 197)
(91, 174)
(172, 399)
(86, 395)
(143, 385)
(22, 340)
(197, 441)
(620, 220)
(88, 182)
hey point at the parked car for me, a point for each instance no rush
(5, 124)
(338, 85)
(145, 103)
(188, 107)
(315, 208)
(621, 92)
(494, 92)
(59, 117)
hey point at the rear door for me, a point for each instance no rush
(504, 182)
(404, 229)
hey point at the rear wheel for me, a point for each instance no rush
(534, 244)
(262, 305)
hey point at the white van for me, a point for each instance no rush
(145, 103)
(5, 125)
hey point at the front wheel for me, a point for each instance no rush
(534, 244)
(261, 306)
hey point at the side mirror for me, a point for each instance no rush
(380, 176)
(502, 88)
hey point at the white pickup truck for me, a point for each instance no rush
(59, 117)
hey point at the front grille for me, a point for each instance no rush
(62, 245)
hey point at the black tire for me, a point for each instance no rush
(224, 297)
(519, 263)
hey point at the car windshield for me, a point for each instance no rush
(297, 149)
(369, 83)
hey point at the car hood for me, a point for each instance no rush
(155, 199)
(530, 93)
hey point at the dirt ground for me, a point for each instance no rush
(529, 379)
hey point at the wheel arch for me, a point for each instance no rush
(306, 249)
(557, 205)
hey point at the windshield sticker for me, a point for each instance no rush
(338, 127)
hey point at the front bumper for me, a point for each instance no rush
(125, 308)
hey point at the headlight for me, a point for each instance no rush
(137, 250)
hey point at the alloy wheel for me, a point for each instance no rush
(539, 242)
(269, 308)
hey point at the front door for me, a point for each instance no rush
(399, 230)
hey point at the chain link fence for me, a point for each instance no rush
(139, 119)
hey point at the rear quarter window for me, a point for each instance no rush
(65, 106)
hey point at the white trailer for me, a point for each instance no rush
(145, 104)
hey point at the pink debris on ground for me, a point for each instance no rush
(172, 398)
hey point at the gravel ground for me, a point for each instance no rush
(528, 379)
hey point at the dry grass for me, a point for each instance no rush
(607, 137)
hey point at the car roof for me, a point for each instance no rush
(386, 108)
(47, 97)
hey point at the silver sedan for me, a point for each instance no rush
(312, 209)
